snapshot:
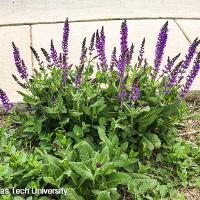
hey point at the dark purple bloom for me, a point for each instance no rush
(134, 90)
(121, 66)
(141, 53)
(18, 82)
(172, 79)
(188, 58)
(82, 61)
(124, 50)
(21, 68)
(91, 47)
(79, 75)
(191, 76)
(100, 46)
(113, 62)
(122, 94)
(46, 55)
(170, 64)
(36, 55)
(130, 54)
(161, 43)
(145, 64)
(60, 60)
(54, 55)
(65, 38)
(83, 52)
(5, 101)
(124, 38)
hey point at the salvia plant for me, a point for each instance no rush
(96, 128)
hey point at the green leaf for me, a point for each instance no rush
(29, 99)
(49, 180)
(72, 195)
(29, 130)
(103, 195)
(18, 198)
(75, 113)
(163, 189)
(153, 138)
(117, 178)
(141, 183)
(102, 121)
(86, 110)
(150, 117)
(82, 170)
(85, 151)
(104, 138)
(78, 131)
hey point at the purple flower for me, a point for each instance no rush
(21, 68)
(100, 46)
(145, 64)
(124, 50)
(135, 90)
(124, 38)
(46, 55)
(161, 43)
(91, 47)
(113, 62)
(5, 101)
(172, 79)
(82, 61)
(170, 64)
(188, 58)
(130, 54)
(65, 38)
(122, 94)
(121, 66)
(54, 55)
(36, 55)
(83, 52)
(191, 76)
(141, 53)
(79, 75)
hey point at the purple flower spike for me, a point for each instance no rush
(78, 77)
(121, 67)
(21, 68)
(170, 64)
(91, 47)
(124, 38)
(54, 55)
(141, 53)
(65, 38)
(113, 62)
(161, 43)
(46, 55)
(191, 76)
(122, 94)
(130, 54)
(100, 46)
(83, 52)
(172, 80)
(188, 58)
(5, 101)
(135, 90)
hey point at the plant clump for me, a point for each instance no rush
(99, 130)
